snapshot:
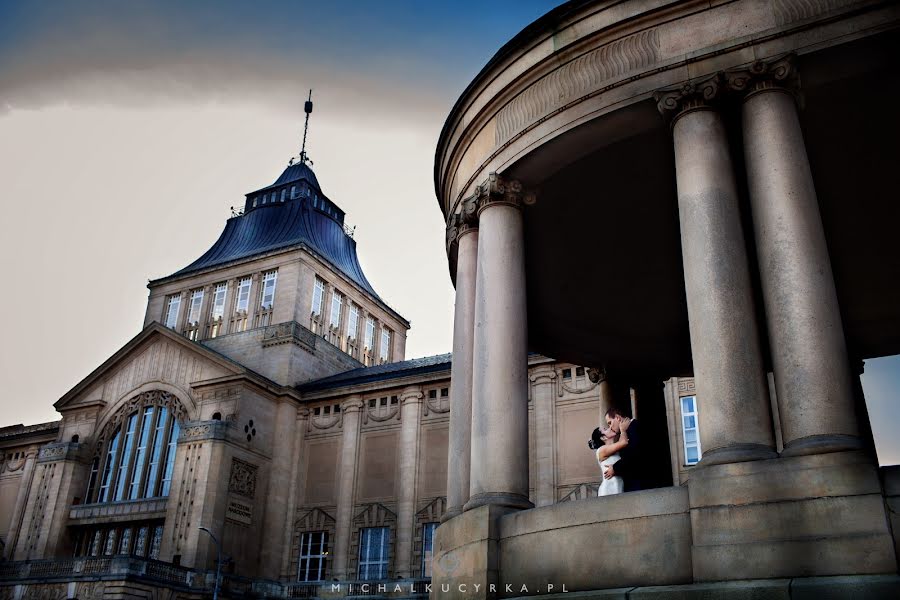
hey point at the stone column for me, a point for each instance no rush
(410, 410)
(277, 517)
(812, 371)
(465, 232)
(543, 392)
(735, 423)
(293, 490)
(350, 409)
(499, 458)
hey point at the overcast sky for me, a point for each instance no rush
(128, 129)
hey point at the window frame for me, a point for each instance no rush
(684, 429)
(366, 540)
(321, 557)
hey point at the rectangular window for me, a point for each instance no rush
(337, 303)
(172, 306)
(353, 324)
(689, 426)
(194, 307)
(370, 333)
(385, 344)
(267, 296)
(283, 194)
(156, 443)
(293, 192)
(313, 554)
(374, 544)
(218, 306)
(318, 297)
(427, 547)
(242, 302)
(170, 458)
(108, 467)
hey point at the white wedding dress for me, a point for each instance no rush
(613, 485)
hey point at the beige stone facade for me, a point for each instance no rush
(670, 148)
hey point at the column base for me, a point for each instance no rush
(451, 512)
(822, 444)
(736, 454)
(506, 499)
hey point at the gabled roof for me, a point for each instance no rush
(387, 371)
(157, 329)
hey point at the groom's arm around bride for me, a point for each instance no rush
(631, 466)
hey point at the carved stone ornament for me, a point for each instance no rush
(497, 190)
(688, 96)
(597, 375)
(463, 222)
(242, 480)
(778, 73)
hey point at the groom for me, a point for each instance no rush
(632, 465)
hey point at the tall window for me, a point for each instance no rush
(267, 296)
(370, 333)
(353, 323)
(194, 307)
(385, 344)
(243, 295)
(692, 452)
(427, 547)
(318, 296)
(139, 456)
(337, 302)
(172, 306)
(313, 553)
(374, 545)
(218, 309)
(193, 315)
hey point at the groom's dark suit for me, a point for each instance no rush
(632, 466)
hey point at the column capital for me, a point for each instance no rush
(776, 74)
(498, 190)
(597, 375)
(698, 94)
(352, 404)
(463, 222)
(302, 413)
(542, 374)
(412, 394)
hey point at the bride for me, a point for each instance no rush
(608, 448)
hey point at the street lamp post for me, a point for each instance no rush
(218, 561)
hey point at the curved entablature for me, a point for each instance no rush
(584, 60)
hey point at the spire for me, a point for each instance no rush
(307, 108)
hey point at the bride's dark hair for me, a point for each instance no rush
(597, 438)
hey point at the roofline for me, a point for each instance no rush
(301, 246)
(322, 384)
(531, 31)
(12, 436)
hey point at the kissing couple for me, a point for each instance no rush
(620, 454)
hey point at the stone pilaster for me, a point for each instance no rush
(350, 413)
(499, 458)
(277, 516)
(735, 423)
(15, 521)
(812, 370)
(296, 461)
(601, 378)
(464, 231)
(543, 387)
(410, 411)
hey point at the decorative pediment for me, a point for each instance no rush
(315, 519)
(375, 515)
(157, 358)
(433, 511)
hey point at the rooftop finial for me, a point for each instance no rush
(307, 108)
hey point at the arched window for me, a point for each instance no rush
(135, 455)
